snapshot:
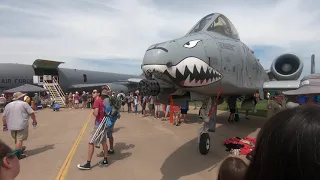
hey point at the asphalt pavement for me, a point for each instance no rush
(145, 148)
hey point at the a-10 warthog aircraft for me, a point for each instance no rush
(211, 59)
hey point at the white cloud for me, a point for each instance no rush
(68, 30)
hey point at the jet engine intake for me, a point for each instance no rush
(287, 67)
(149, 87)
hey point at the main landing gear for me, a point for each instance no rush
(209, 125)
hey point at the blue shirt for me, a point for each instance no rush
(106, 102)
(186, 107)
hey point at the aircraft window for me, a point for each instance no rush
(204, 21)
(233, 30)
(84, 78)
(223, 26)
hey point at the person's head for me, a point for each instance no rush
(232, 168)
(288, 146)
(104, 93)
(308, 91)
(95, 94)
(18, 96)
(9, 164)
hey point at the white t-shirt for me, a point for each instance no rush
(135, 100)
(17, 114)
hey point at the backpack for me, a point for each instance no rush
(111, 118)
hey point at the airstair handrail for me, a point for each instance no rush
(60, 91)
(48, 87)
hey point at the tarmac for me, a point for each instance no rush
(145, 148)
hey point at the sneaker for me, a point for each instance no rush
(104, 162)
(85, 166)
(111, 151)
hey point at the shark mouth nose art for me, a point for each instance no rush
(190, 72)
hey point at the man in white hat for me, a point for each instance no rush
(308, 91)
(15, 118)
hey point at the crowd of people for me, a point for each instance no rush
(135, 103)
(286, 147)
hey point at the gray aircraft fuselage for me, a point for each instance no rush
(14, 75)
(211, 58)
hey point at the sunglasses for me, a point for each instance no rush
(94, 92)
(17, 152)
(302, 99)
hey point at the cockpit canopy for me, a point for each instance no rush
(218, 23)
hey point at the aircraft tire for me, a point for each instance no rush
(204, 145)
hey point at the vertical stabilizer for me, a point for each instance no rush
(313, 64)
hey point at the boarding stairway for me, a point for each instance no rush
(55, 91)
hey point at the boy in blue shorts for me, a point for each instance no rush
(113, 114)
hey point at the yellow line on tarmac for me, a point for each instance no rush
(65, 167)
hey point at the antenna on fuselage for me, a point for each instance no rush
(313, 64)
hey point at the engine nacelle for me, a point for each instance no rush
(287, 67)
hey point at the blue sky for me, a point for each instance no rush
(112, 35)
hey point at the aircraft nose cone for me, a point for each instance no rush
(160, 54)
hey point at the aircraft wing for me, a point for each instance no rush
(280, 85)
(131, 83)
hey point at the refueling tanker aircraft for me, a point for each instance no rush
(14, 75)
(210, 60)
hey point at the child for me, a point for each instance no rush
(56, 107)
(232, 168)
(176, 112)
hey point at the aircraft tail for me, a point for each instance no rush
(313, 64)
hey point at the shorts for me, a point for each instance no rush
(157, 108)
(20, 135)
(94, 129)
(110, 131)
(184, 111)
(168, 108)
(151, 106)
(232, 110)
(76, 101)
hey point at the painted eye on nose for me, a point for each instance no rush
(191, 44)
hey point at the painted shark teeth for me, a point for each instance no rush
(189, 72)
